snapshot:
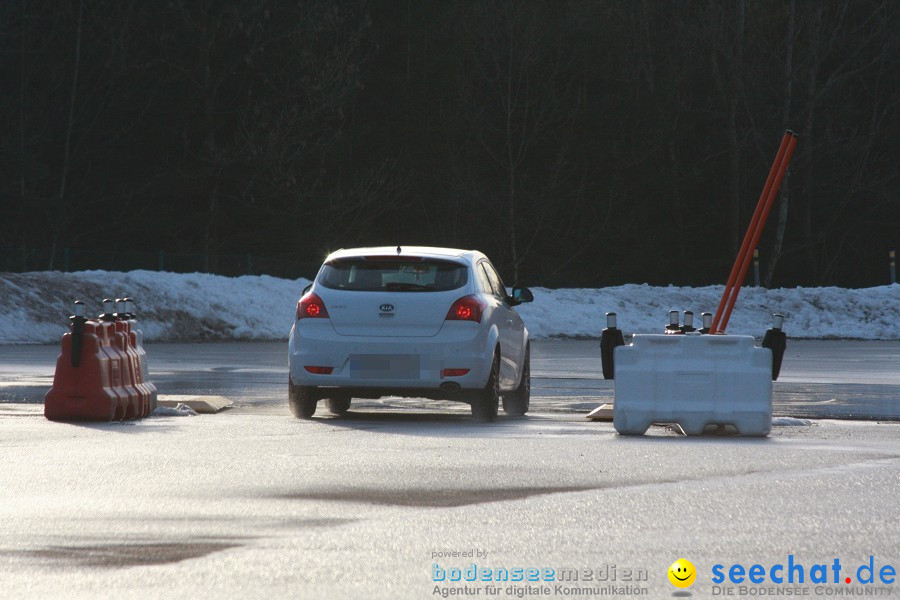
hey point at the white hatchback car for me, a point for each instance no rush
(415, 322)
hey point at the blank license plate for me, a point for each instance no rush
(384, 366)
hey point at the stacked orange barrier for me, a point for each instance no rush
(129, 399)
(83, 385)
(137, 357)
(101, 370)
(136, 339)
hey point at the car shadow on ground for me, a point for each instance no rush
(431, 424)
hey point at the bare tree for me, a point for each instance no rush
(68, 69)
(270, 85)
(727, 66)
(516, 85)
(784, 203)
(851, 48)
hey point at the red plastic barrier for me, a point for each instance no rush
(85, 392)
(141, 370)
(101, 371)
(137, 342)
(132, 370)
(120, 376)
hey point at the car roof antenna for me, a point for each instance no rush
(398, 250)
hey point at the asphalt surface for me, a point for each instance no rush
(254, 503)
(819, 379)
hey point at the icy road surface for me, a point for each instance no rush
(252, 503)
(819, 379)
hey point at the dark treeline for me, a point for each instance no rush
(578, 143)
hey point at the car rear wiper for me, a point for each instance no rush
(406, 287)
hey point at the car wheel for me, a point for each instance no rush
(516, 403)
(338, 405)
(302, 400)
(487, 401)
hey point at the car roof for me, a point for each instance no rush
(424, 251)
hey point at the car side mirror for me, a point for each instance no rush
(520, 294)
(306, 289)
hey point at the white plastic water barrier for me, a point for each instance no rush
(693, 380)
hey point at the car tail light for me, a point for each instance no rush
(320, 370)
(311, 307)
(454, 372)
(467, 308)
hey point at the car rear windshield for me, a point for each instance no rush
(377, 274)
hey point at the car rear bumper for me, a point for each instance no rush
(401, 365)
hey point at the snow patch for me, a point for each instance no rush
(200, 307)
(179, 410)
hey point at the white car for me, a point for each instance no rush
(409, 321)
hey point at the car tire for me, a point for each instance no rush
(487, 400)
(338, 405)
(302, 400)
(516, 403)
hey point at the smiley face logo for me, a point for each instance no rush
(682, 573)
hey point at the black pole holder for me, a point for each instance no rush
(76, 325)
(609, 339)
(776, 341)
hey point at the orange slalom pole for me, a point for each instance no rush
(745, 245)
(733, 292)
(756, 235)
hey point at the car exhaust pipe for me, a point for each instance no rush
(450, 387)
